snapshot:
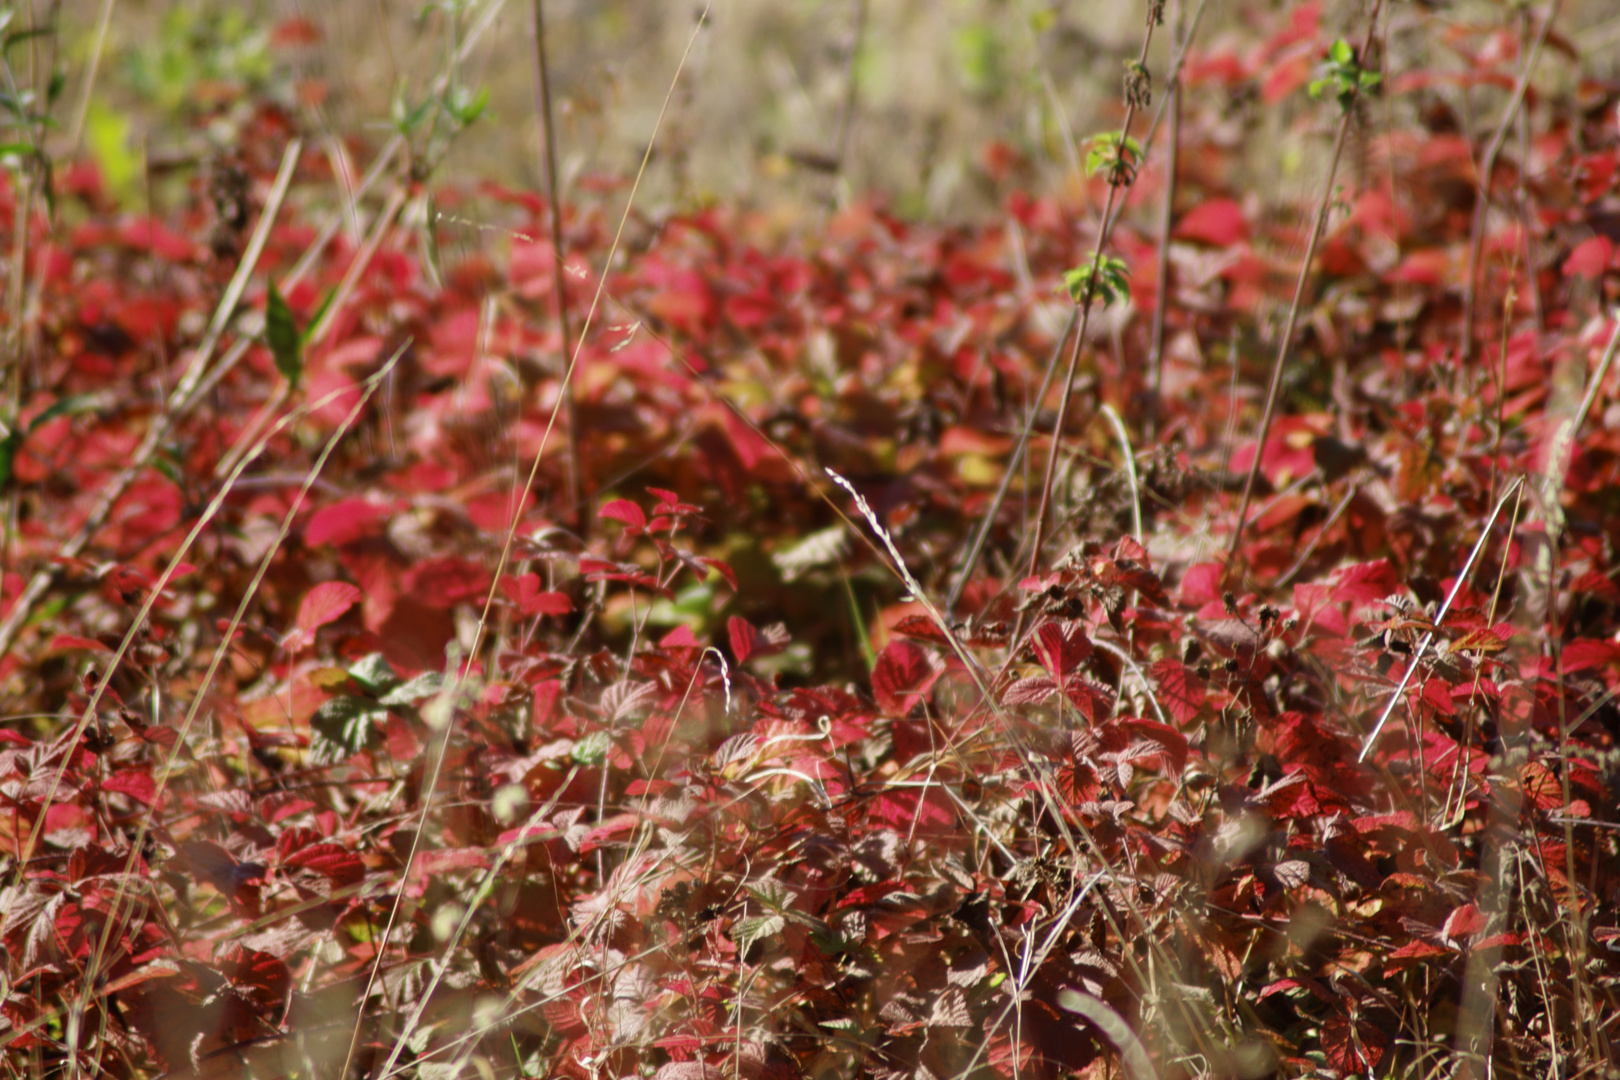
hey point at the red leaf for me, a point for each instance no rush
(325, 603)
(1180, 691)
(922, 628)
(1465, 921)
(722, 568)
(1128, 548)
(211, 863)
(290, 33)
(531, 600)
(1201, 584)
(1590, 258)
(1092, 699)
(903, 675)
(338, 864)
(1218, 222)
(670, 503)
(282, 805)
(1498, 941)
(1315, 605)
(158, 969)
(749, 446)
(1172, 743)
(343, 522)
(492, 511)
(743, 638)
(626, 511)
(69, 642)
(1060, 646)
(264, 978)
(680, 638)
(546, 694)
(401, 739)
(1030, 691)
(1289, 75)
(928, 810)
(136, 783)
(446, 581)
(1363, 583)
(1415, 950)
(602, 570)
(867, 895)
(603, 834)
(1353, 1045)
(447, 859)
(1583, 653)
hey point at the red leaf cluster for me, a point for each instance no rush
(409, 764)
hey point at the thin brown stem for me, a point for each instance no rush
(1167, 213)
(1285, 345)
(975, 548)
(1482, 193)
(582, 515)
(852, 86)
(179, 403)
(1086, 303)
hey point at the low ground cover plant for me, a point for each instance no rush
(1088, 642)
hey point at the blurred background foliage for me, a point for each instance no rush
(932, 105)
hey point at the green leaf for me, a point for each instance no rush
(343, 726)
(592, 749)
(166, 467)
(1341, 53)
(25, 35)
(770, 893)
(1075, 281)
(1113, 150)
(374, 674)
(824, 548)
(71, 405)
(752, 929)
(1107, 279)
(315, 319)
(407, 119)
(466, 106)
(422, 686)
(8, 452)
(107, 134)
(281, 334)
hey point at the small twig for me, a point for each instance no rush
(1439, 619)
(1086, 303)
(318, 330)
(1310, 548)
(200, 697)
(1130, 468)
(179, 403)
(442, 737)
(1285, 345)
(75, 138)
(975, 548)
(1167, 211)
(852, 86)
(1482, 193)
(549, 131)
(1598, 377)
